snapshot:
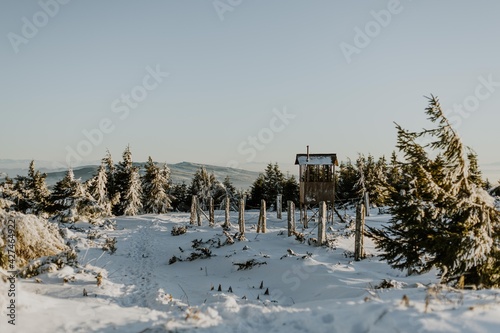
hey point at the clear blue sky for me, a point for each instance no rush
(226, 76)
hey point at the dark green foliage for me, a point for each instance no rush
(442, 217)
(181, 197)
(271, 183)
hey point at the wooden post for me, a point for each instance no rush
(279, 205)
(367, 204)
(227, 222)
(291, 218)
(194, 209)
(211, 217)
(359, 252)
(306, 222)
(322, 224)
(241, 216)
(261, 225)
(198, 211)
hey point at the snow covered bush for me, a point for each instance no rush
(35, 238)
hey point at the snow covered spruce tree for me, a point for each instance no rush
(97, 188)
(204, 185)
(71, 202)
(155, 184)
(128, 185)
(30, 193)
(442, 217)
(112, 190)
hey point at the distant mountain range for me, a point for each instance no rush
(180, 172)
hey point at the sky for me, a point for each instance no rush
(242, 83)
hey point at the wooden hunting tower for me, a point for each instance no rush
(317, 182)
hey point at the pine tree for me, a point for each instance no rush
(290, 190)
(70, 201)
(271, 183)
(181, 199)
(204, 185)
(111, 185)
(132, 198)
(346, 184)
(155, 186)
(443, 218)
(122, 181)
(32, 194)
(97, 188)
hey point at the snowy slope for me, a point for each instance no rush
(311, 290)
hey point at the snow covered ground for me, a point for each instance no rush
(310, 289)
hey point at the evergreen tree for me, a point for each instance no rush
(155, 186)
(346, 184)
(122, 180)
(225, 190)
(111, 186)
(443, 218)
(132, 197)
(257, 191)
(204, 185)
(181, 199)
(70, 202)
(32, 194)
(97, 188)
(290, 190)
(268, 185)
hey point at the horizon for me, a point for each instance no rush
(241, 84)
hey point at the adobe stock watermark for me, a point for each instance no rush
(223, 6)
(470, 104)
(255, 143)
(371, 30)
(31, 27)
(122, 107)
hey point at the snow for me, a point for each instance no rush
(315, 160)
(315, 289)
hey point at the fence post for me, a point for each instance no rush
(241, 216)
(194, 209)
(322, 224)
(279, 204)
(359, 252)
(227, 222)
(211, 217)
(367, 204)
(261, 225)
(291, 217)
(198, 211)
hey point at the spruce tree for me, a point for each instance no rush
(97, 188)
(204, 185)
(346, 185)
(443, 218)
(132, 196)
(32, 193)
(122, 179)
(70, 201)
(113, 192)
(154, 188)
(180, 195)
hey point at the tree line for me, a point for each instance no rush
(126, 188)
